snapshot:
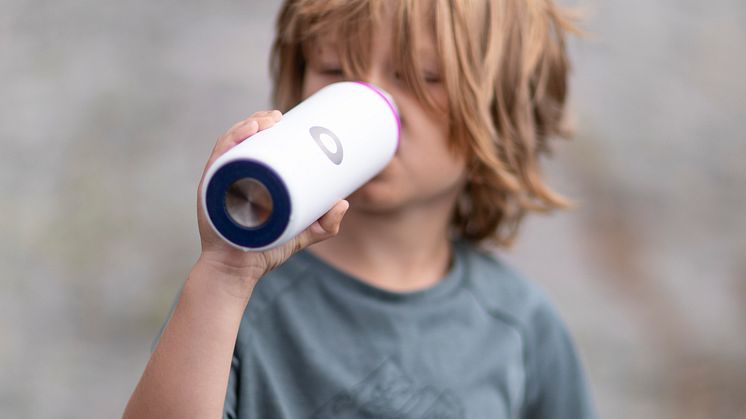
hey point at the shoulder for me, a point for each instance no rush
(556, 384)
(510, 297)
(506, 293)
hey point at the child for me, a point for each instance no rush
(395, 313)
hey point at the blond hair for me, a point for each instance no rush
(504, 67)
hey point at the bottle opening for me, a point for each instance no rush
(248, 203)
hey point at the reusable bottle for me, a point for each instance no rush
(270, 187)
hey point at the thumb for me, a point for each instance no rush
(325, 227)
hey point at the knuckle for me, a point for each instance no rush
(266, 122)
(259, 114)
(297, 245)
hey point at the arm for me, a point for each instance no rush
(187, 374)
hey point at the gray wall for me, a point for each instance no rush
(109, 109)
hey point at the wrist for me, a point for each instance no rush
(226, 280)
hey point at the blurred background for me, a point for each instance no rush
(108, 111)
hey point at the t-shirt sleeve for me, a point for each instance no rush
(230, 408)
(555, 383)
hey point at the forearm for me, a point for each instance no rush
(187, 374)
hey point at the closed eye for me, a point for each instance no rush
(432, 78)
(333, 71)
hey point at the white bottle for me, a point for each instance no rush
(268, 189)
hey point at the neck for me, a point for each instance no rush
(398, 251)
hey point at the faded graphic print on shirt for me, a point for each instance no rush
(388, 393)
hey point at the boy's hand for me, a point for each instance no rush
(245, 268)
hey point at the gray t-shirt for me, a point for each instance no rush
(315, 342)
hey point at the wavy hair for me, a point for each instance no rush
(505, 69)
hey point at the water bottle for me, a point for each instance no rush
(272, 186)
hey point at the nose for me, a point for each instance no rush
(388, 87)
(379, 82)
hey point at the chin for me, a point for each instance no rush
(374, 197)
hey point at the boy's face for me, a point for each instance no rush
(423, 172)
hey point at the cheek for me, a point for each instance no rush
(312, 83)
(426, 136)
(428, 156)
(441, 166)
(308, 86)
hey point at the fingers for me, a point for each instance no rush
(242, 130)
(267, 118)
(261, 120)
(239, 132)
(328, 225)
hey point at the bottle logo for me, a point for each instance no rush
(328, 143)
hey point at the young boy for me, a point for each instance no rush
(394, 314)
